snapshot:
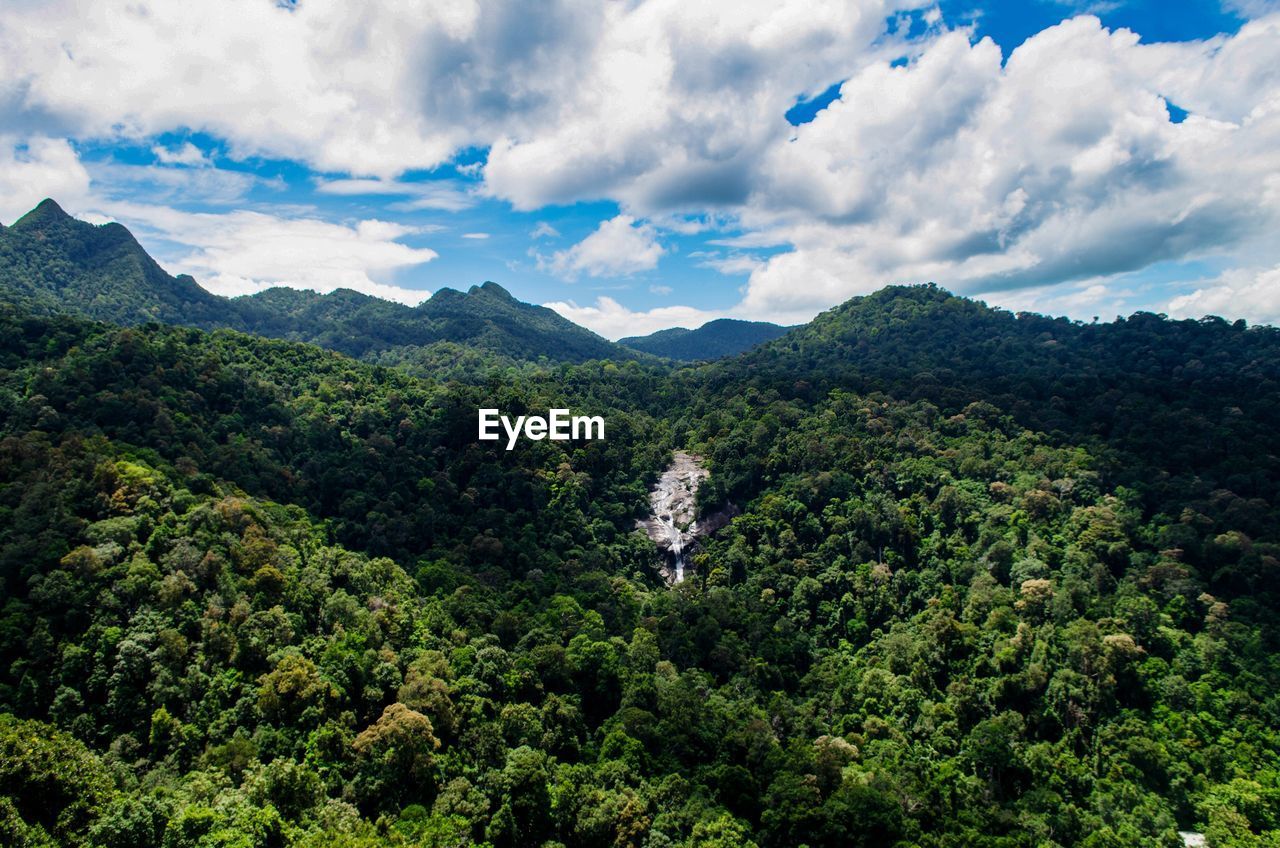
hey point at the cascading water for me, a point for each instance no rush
(673, 525)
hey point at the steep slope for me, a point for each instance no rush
(1124, 386)
(51, 262)
(713, 340)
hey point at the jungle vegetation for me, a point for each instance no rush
(998, 580)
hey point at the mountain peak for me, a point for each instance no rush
(48, 215)
(444, 294)
(491, 288)
(47, 211)
(101, 271)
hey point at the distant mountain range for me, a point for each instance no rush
(713, 340)
(52, 262)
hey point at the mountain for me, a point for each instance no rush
(924, 342)
(1125, 385)
(713, 340)
(485, 316)
(255, 591)
(50, 261)
(489, 317)
(54, 262)
(990, 580)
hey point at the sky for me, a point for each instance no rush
(653, 163)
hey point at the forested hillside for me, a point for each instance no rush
(997, 581)
(713, 340)
(53, 263)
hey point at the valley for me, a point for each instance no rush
(919, 572)
(639, 424)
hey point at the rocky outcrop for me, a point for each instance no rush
(674, 525)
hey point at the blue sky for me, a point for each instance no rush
(651, 164)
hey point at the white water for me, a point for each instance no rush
(674, 503)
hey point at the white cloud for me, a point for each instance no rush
(34, 168)
(619, 246)
(350, 187)
(614, 321)
(1083, 300)
(661, 290)
(544, 230)
(992, 178)
(243, 252)
(1090, 7)
(184, 154)
(750, 240)
(677, 101)
(737, 263)
(323, 83)
(1241, 293)
(1252, 8)
(792, 287)
(1057, 168)
(661, 100)
(478, 236)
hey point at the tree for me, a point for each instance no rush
(394, 758)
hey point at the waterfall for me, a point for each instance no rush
(673, 501)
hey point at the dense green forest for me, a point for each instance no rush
(997, 581)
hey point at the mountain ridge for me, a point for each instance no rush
(52, 262)
(715, 339)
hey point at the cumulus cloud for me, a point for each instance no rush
(243, 252)
(1059, 166)
(664, 99)
(614, 321)
(1240, 293)
(34, 168)
(619, 246)
(320, 83)
(677, 101)
(184, 154)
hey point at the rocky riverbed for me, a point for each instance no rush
(674, 524)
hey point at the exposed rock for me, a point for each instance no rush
(674, 525)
